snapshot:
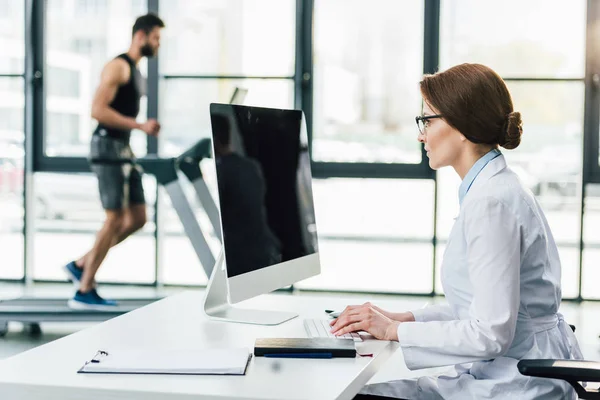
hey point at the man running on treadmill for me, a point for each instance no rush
(115, 106)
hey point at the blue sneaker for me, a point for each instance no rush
(74, 273)
(91, 301)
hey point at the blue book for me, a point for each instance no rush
(304, 347)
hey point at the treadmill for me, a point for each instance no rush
(33, 310)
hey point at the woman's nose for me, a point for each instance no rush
(421, 138)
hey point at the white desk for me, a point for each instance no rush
(49, 372)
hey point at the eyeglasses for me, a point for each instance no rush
(423, 121)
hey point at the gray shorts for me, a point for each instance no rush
(119, 182)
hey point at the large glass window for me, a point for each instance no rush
(535, 38)
(367, 65)
(591, 236)
(520, 46)
(180, 264)
(374, 235)
(12, 103)
(82, 36)
(12, 49)
(68, 210)
(184, 108)
(229, 37)
(548, 161)
(209, 42)
(11, 177)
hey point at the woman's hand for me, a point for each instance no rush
(400, 317)
(368, 318)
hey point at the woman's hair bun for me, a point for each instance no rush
(510, 137)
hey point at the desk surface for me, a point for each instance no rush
(50, 371)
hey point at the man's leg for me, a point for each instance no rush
(135, 216)
(120, 189)
(113, 186)
(134, 219)
(104, 241)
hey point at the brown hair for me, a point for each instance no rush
(146, 23)
(475, 100)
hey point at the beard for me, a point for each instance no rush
(147, 50)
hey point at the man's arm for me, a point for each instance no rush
(114, 74)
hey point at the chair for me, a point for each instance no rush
(572, 371)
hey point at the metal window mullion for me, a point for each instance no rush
(152, 149)
(591, 170)
(591, 121)
(33, 121)
(431, 63)
(28, 131)
(232, 77)
(298, 56)
(304, 63)
(542, 79)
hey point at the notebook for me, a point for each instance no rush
(311, 347)
(192, 362)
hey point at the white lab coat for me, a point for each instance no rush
(501, 276)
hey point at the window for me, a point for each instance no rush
(88, 46)
(184, 107)
(591, 235)
(367, 62)
(12, 150)
(228, 37)
(62, 144)
(523, 46)
(68, 210)
(11, 117)
(12, 157)
(374, 235)
(210, 49)
(12, 31)
(549, 162)
(90, 6)
(65, 82)
(536, 38)
(82, 36)
(179, 260)
(367, 65)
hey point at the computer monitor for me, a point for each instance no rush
(266, 208)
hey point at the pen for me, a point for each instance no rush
(299, 355)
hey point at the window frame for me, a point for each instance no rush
(35, 113)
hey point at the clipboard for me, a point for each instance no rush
(232, 361)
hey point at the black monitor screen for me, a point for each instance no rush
(264, 184)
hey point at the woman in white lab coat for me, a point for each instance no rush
(500, 272)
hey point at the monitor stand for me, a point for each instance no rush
(216, 304)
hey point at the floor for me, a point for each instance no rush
(19, 339)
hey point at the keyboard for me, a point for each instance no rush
(320, 328)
